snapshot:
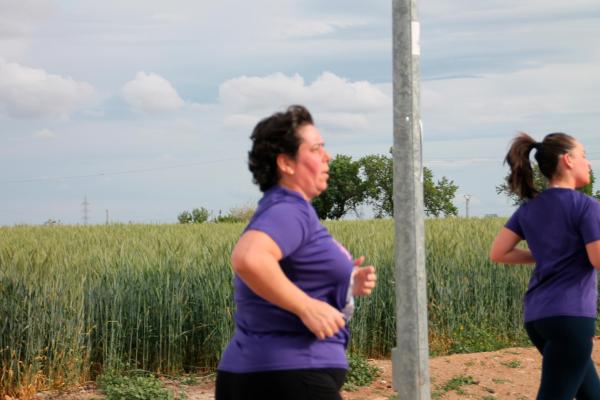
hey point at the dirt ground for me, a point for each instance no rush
(511, 374)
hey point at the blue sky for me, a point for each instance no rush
(145, 107)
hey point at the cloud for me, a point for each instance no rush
(512, 99)
(328, 91)
(508, 10)
(27, 92)
(18, 18)
(151, 93)
(18, 22)
(344, 120)
(243, 121)
(340, 104)
(315, 27)
(45, 134)
(460, 163)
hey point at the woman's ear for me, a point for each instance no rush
(566, 159)
(285, 164)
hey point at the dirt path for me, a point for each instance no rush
(511, 374)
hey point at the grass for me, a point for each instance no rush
(455, 383)
(512, 364)
(140, 387)
(80, 300)
(360, 372)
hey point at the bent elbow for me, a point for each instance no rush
(495, 256)
(238, 263)
(595, 264)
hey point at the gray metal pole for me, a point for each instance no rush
(467, 199)
(410, 357)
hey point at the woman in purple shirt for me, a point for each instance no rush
(293, 282)
(562, 230)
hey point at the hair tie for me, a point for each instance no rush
(537, 145)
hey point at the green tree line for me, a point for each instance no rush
(369, 181)
(202, 215)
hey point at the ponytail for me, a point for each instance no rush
(520, 180)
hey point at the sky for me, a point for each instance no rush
(145, 108)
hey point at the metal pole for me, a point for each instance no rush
(410, 357)
(467, 199)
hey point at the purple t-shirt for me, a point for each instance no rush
(557, 224)
(268, 337)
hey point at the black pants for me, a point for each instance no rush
(297, 384)
(567, 368)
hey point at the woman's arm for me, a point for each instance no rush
(593, 252)
(504, 249)
(255, 260)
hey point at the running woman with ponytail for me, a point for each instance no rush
(562, 229)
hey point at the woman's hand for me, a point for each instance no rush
(364, 278)
(321, 319)
(255, 260)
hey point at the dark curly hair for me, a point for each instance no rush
(274, 135)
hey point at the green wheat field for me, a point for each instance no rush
(75, 300)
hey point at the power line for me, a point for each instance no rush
(132, 171)
(136, 171)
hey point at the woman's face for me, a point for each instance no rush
(310, 168)
(580, 165)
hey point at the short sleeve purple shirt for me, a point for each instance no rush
(557, 224)
(267, 337)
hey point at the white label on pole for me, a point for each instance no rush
(415, 34)
(421, 148)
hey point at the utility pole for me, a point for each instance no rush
(467, 199)
(85, 210)
(410, 357)
(106, 217)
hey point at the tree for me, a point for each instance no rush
(345, 189)
(438, 196)
(540, 183)
(236, 214)
(199, 215)
(370, 180)
(589, 188)
(378, 173)
(185, 217)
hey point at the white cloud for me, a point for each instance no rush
(27, 92)
(460, 163)
(341, 105)
(151, 93)
(329, 92)
(344, 120)
(18, 22)
(170, 18)
(506, 10)
(18, 18)
(45, 134)
(315, 27)
(241, 121)
(512, 98)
